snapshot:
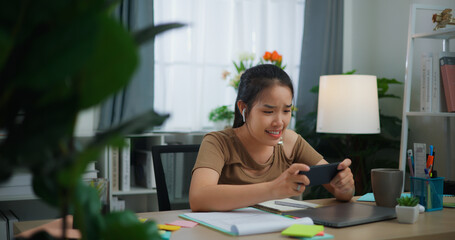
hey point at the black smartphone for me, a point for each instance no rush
(321, 174)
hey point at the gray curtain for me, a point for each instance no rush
(322, 48)
(137, 97)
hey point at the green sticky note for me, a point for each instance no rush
(302, 230)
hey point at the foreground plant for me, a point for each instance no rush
(58, 58)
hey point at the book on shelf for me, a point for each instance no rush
(281, 206)
(114, 161)
(438, 102)
(447, 65)
(142, 163)
(426, 80)
(245, 221)
(125, 166)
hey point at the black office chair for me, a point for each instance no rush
(172, 165)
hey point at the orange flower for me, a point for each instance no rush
(276, 57)
(267, 56)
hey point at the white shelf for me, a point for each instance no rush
(441, 35)
(430, 114)
(448, 33)
(135, 191)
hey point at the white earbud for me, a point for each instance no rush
(243, 114)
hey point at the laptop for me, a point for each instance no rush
(346, 214)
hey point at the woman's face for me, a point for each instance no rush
(270, 115)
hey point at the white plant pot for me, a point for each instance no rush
(220, 125)
(407, 214)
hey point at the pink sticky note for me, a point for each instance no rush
(183, 223)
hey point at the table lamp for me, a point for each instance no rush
(348, 104)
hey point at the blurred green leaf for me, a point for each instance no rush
(55, 55)
(149, 33)
(125, 225)
(111, 65)
(350, 72)
(88, 210)
(56, 58)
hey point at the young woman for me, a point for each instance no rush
(259, 158)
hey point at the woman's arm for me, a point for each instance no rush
(342, 185)
(207, 195)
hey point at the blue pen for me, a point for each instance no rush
(431, 150)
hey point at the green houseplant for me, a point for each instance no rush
(337, 146)
(407, 209)
(222, 115)
(56, 59)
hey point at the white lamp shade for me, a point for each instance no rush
(348, 104)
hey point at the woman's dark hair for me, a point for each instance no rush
(253, 81)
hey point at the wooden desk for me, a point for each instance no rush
(430, 225)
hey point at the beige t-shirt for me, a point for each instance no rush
(223, 152)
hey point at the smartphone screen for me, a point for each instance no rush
(321, 174)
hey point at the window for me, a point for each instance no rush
(189, 61)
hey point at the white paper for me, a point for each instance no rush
(268, 226)
(247, 221)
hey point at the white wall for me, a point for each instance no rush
(375, 42)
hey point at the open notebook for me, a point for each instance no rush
(244, 221)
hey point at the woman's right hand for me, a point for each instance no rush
(290, 182)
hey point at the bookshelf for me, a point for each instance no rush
(421, 36)
(142, 199)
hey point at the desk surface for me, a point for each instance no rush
(430, 225)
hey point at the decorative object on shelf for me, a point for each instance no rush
(407, 209)
(442, 19)
(222, 116)
(55, 62)
(246, 60)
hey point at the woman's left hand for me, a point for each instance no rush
(343, 182)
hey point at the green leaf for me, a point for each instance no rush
(236, 67)
(6, 44)
(350, 72)
(221, 113)
(149, 33)
(54, 55)
(315, 89)
(88, 218)
(125, 225)
(111, 66)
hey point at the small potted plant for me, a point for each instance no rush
(221, 116)
(407, 209)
